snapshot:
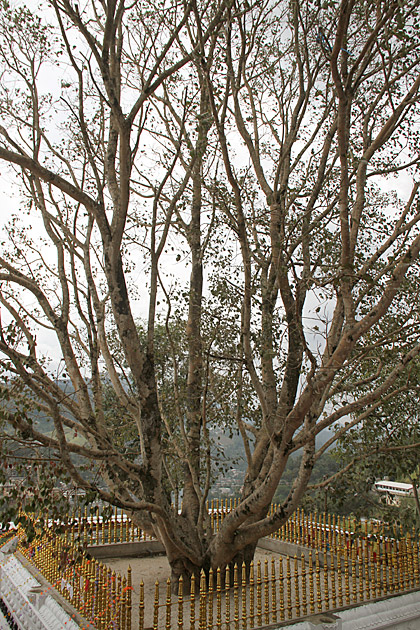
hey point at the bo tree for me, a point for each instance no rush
(248, 143)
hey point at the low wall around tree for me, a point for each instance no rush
(28, 601)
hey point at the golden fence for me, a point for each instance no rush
(102, 596)
(284, 589)
(317, 531)
(343, 563)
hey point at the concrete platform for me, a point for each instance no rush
(400, 612)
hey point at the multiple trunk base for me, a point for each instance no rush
(185, 569)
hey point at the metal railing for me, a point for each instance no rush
(344, 563)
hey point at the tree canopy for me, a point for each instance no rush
(225, 171)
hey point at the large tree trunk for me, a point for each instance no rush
(182, 566)
(217, 554)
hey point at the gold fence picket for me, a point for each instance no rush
(297, 586)
(244, 598)
(273, 591)
(281, 591)
(168, 605)
(180, 604)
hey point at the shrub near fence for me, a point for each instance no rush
(347, 564)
